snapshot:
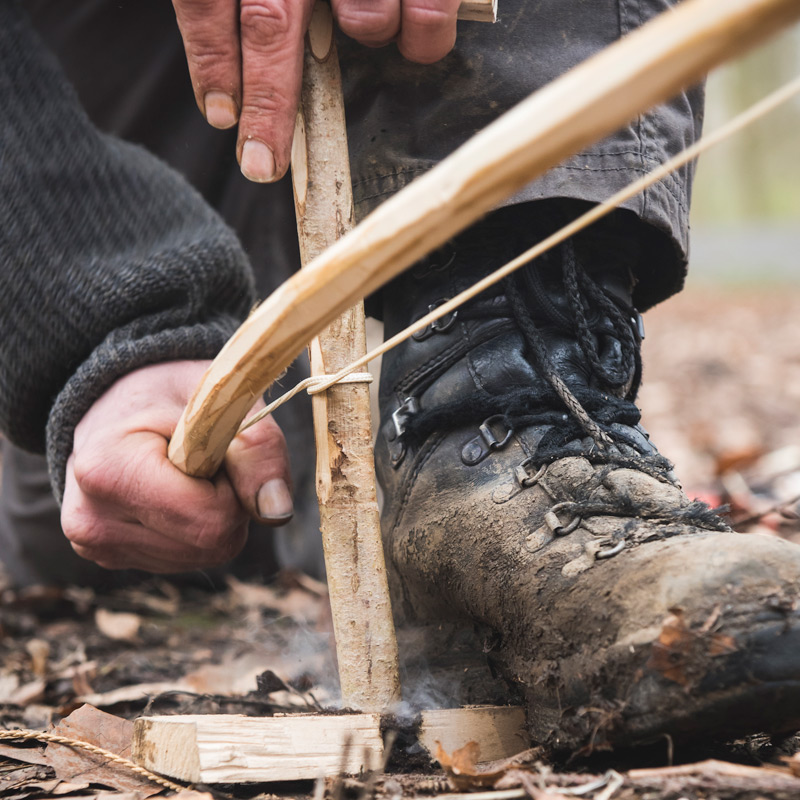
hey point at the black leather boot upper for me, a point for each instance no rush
(487, 364)
(521, 496)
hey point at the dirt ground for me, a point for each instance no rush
(721, 398)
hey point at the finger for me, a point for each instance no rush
(257, 464)
(371, 22)
(427, 29)
(210, 31)
(272, 33)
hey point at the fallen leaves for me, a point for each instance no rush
(76, 769)
(39, 651)
(121, 626)
(14, 692)
(461, 767)
(721, 401)
(301, 600)
(62, 648)
(89, 724)
(464, 772)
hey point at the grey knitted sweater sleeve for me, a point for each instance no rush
(109, 261)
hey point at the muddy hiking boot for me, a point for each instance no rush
(522, 496)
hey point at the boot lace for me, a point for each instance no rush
(594, 425)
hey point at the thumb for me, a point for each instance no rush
(257, 464)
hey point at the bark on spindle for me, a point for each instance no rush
(365, 639)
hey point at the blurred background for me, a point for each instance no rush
(721, 395)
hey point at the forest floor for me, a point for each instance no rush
(721, 398)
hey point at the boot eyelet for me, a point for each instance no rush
(523, 474)
(401, 415)
(637, 323)
(409, 407)
(487, 433)
(609, 552)
(476, 449)
(554, 523)
(438, 325)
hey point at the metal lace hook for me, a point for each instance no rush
(554, 523)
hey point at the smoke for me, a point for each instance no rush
(445, 667)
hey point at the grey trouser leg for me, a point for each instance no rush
(403, 118)
(32, 548)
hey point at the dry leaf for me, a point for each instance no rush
(20, 775)
(29, 693)
(292, 578)
(62, 787)
(191, 794)
(793, 763)
(462, 770)
(681, 654)
(89, 724)
(27, 755)
(121, 627)
(112, 796)
(39, 651)
(168, 604)
(81, 677)
(233, 676)
(298, 603)
(9, 683)
(127, 694)
(27, 781)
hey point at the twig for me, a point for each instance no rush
(502, 794)
(778, 507)
(615, 780)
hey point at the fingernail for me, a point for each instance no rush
(258, 163)
(221, 110)
(274, 501)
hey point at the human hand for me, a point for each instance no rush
(127, 506)
(245, 58)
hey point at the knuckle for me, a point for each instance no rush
(195, 9)
(93, 476)
(84, 530)
(425, 16)
(262, 105)
(367, 24)
(221, 538)
(212, 532)
(208, 55)
(265, 22)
